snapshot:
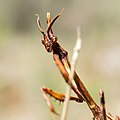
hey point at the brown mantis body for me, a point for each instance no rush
(60, 57)
(51, 45)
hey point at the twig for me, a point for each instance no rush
(71, 74)
(117, 117)
(102, 102)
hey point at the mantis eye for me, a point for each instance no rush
(54, 39)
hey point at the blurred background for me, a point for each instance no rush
(25, 66)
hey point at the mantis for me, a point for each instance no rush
(60, 56)
(51, 45)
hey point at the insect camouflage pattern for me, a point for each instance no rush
(60, 56)
(51, 45)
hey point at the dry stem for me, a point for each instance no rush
(102, 102)
(71, 74)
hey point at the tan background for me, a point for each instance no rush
(25, 66)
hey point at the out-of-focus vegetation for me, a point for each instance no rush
(25, 66)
